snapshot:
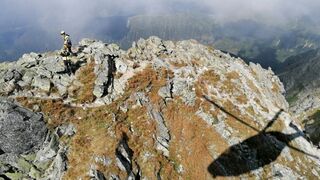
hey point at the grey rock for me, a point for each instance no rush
(86, 42)
(28, 76)
(207, 117)
(63, 79)
(48, 150)
(99, 90)
(182, 87)
(62, 90)
(36, 108)
(54, 64)
(22, 84)
(121, 66)
(42, 83)
(29, 60)
(7, 88)
(166, 91)
(163, 136)
(114, 177)
(102, 77)
(312, 129)
(66, 130)
(58, 167)
(12, 75)
(282, 172)
(21, 130)
(104, 69)
(124, 155)
(96, 174)
(41, 71)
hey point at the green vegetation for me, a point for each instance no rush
(316, 116)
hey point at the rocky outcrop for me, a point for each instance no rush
(21, 130)
(161, 109)
(28, 149)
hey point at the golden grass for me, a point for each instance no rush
(178, 64)
(242, 99)
(208, 78)
(56, 113)
(191, 141)
(87, 77)
(232, 75)
(253, 87)
(275, 88)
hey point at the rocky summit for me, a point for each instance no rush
(160, 110)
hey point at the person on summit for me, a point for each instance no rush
(67, 44)
(66, 51)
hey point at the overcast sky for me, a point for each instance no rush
(74, 14)
(51, 16)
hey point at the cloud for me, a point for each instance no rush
(75, 14)
(52, 16)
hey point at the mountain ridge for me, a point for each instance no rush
(161, 109)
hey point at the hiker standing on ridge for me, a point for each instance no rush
(66, 51)
(66, 43)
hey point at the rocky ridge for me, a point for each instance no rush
(161, 109)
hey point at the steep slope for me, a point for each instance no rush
(165, 110)
(301, 80)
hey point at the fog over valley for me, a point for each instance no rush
(35, 25)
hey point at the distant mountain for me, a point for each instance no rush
(265, 43)
(301, 77)
(174, 27)
(254, 41)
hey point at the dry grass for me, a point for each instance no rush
(244, 130)
(232, 75)
(98, 134)
(56, 113)
(275, 88)
(259, 103)
(208, 78)
(178, 64)
(87, 77)
(229, 87)
(253, 87)
(242, 99)
(191, 141)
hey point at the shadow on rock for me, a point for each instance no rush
(254, 152)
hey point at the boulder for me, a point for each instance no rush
(54, 64)
(29, 60)
(12, 75)
(21, 130)
(42, 83)
(28, 76)
(7, 87)
(99, 91)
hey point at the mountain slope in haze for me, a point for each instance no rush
(161, 109)
(301, 78)
(265, 43)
